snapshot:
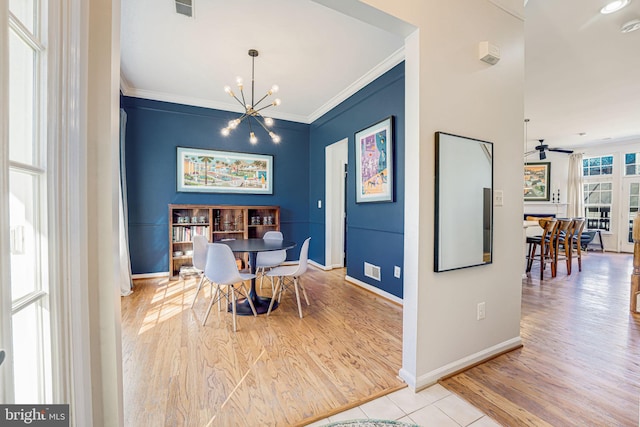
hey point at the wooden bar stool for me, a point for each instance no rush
(545, 242)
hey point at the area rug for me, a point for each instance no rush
(370, 423)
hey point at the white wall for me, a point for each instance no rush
(449, 89)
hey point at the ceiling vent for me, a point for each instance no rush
(184, 7)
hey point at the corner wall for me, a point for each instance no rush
(375, 231)
(449, 89)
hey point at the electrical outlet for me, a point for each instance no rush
(396, 272)
(481, 311)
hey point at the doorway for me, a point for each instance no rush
(630, 206)
(336, 159)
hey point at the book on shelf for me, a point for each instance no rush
(185, 234)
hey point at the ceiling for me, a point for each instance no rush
(581, 71)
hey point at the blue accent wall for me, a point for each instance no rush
(154, 131)
(375, 231)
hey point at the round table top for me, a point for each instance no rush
(258, 245)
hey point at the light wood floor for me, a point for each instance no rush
(274, 371)
(580, 363)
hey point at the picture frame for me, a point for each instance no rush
(537, 181)
(374, 150)
(211, 171)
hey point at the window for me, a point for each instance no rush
(597, 166)
(597, 205)
(632, 164)
(27, 205)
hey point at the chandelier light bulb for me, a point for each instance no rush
(276, 102)
(225, 131)
(274, 89)
(268, 121)
(252, 138)
(275, 138)
(239, 81)
(227, 88)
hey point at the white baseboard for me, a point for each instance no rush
(150, 275)
(434, 376)
(320, 266)
(373, 289)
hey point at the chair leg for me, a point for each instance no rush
(532, 254)
(253, 308)
(197, 290)
(579, 255)
(295, 285)
(282, 288)
(213, 298)
(543, 259)
(260, 271)
(273, 298)
(233, 306)
(273, 289)
(304, 292)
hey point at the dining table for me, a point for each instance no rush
(253, 247)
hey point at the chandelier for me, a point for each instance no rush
(252, 110)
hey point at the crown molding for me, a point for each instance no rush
(391, 61)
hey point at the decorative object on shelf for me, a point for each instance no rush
(374, 162)
(252, 110)
(224, 172)
(537, 181)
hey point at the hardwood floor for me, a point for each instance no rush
(275, 371)
(580, 363)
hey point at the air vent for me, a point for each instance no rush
(184, 7)
(372, 271)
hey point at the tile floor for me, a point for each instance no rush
(432, 407)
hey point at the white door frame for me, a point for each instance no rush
(623, 230)
(336, 157)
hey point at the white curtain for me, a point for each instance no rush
(126, 284)
(575, 190)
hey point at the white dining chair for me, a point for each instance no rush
(269, 259)
(200, 261)
(293, 272)
(222, 271)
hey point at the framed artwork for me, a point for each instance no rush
(212, 171)
(374, 162)
(537, 181)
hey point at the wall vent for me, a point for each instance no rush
(372, 271)
(184, 7)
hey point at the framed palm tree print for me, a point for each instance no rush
(212, 171)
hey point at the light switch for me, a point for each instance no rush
(319, 204)
(498, 198)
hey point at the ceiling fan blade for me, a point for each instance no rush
(561, 150)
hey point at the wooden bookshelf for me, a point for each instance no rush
(216, 222)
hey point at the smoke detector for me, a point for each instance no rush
(630, 26)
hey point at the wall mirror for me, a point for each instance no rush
(464, 208)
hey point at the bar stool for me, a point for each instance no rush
(545, 242)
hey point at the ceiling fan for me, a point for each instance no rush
(542, 148)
